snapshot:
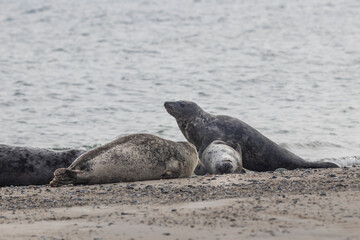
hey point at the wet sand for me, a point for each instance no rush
(299, 204)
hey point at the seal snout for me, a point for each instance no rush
(173, 108)
(169, 107)
(224, 167)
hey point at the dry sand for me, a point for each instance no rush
(299, 204)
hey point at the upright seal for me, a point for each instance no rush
(258, 152)
(32, 166)
(131, 158)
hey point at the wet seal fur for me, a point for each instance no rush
(219, 158)
(32, 166)
(258, 152)
(131, 158)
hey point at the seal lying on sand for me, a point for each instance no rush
(258, 152)
(219, 158)
(131, 158)
(32, 166)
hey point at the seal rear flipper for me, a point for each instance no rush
(64, 176)
(322, 165)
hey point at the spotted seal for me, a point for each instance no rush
(131, 158)
(219, 158)
(258, 152)
(32, 166)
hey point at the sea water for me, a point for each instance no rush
(76, 74)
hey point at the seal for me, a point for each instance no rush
(32, 166)
(131, 158)
(258, 152)
(219, 158)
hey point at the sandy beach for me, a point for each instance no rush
(299, 204)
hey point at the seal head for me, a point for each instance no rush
(219, 158)
(191, 119)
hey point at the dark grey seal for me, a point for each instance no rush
(135, 157)
(32, 166)
(258, 152)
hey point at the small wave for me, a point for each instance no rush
(36, 10)
(349, 161)
(60, 50)
(311, 145)
(203, 94)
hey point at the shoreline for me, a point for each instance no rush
(297, 204)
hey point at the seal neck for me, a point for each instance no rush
(193, 128)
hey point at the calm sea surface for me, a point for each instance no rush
(81, 73)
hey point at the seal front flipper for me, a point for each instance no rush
(238, 149)
(200, 169)
(172, 169)
(240, 169)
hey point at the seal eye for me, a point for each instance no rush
(182, 105)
